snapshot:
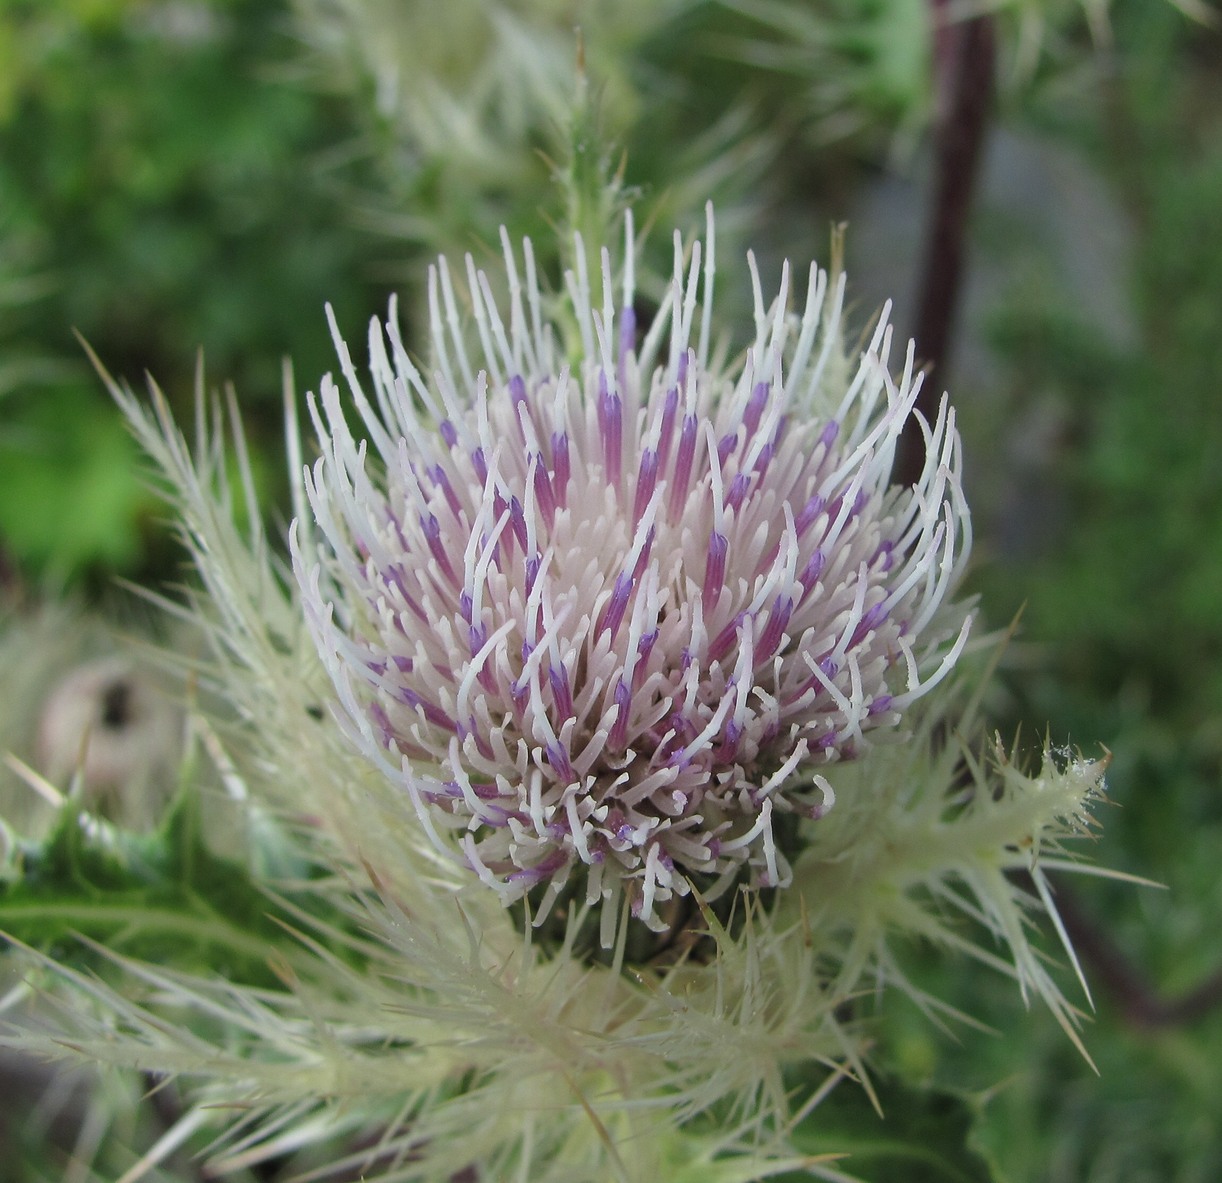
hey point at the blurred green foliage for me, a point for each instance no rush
(167, 191)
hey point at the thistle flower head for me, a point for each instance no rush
(608, 610)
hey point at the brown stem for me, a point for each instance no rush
(965, 55)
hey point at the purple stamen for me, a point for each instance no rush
(646, 480)
(558, 758)
(627, 331)
(613, 614)
(643, 559)
(619, 730)
(755, 407)
(543, 869)
(560, 467)
(667, 432)
(738, 491)
(714, 570)
(828, 436)
(517, 521)
(611, 428)
(778, 619)
(544, 496)
(382, 719)
(562, 693)
(432, 531)
(726, 638)
(448, 433)
(439, 478)
(880, 704)
(683, 465)
(481, 466)
(870, 620)
(811, 510)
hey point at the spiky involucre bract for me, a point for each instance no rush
(612, 611)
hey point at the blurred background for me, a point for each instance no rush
(183, 184)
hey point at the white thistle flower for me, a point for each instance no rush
(611, 612)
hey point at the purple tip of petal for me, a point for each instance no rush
(829, 667)
(725, 639)
(627, 331)
(734, 731)
(646, 481)
(404, 665)
(517, 521)
(884, 556)
(532, 571)
(643, 558)
(755, 407)
(760, 467)
(517, 389)
(681, 376)
(558, 758)
(669, 409)
(725, 446)
(619, 731)
(624, 833)
(828, 436)
(645, 646)
(813, 570)
(544, 496)
(432, 532)
(683, 463)
(860, 501)
(774, 630)
(382, 719)
(477, 637)
(466, 606)
(870, 620)
(448, 433)
(811, 510)
(611, 427)
(713, 846)
(377, 668)
(483, 790)
(613, 614)
(738, 491)
(439, 478)
(545, 868)
(560, 466)
(481, 466)
(880, 704)
(826, 741)
(562, 694)
(714, 570)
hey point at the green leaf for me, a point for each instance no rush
(163, 897)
